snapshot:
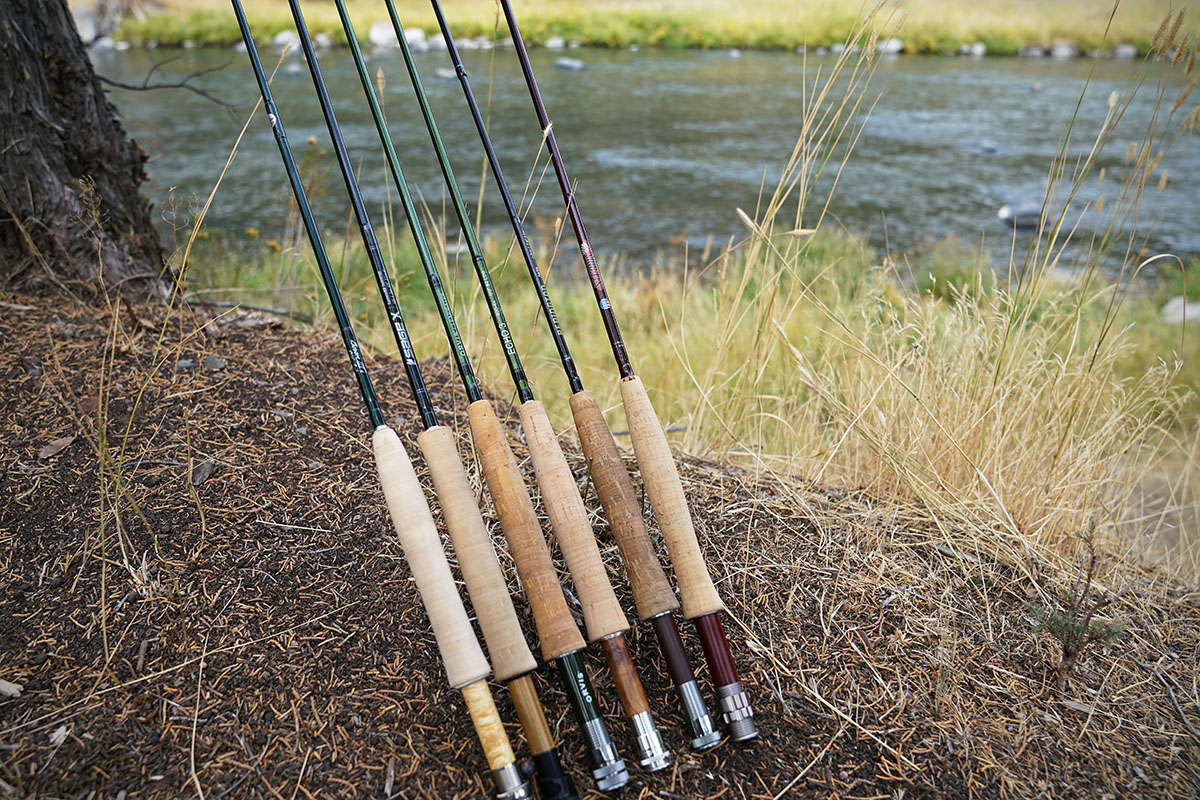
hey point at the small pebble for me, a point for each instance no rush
(214, 364)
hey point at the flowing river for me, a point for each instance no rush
(664, 145)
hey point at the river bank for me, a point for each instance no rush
(1069, 28)
(208, 597)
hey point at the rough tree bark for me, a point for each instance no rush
(70, 210)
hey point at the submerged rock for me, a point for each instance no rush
(1020, 217)
(445, 73)
(570, 64)
(984, 148)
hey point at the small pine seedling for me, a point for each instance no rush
(1072, 621)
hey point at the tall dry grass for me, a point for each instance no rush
(1006, 415)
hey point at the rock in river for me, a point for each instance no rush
(891, 47)
(1178, 310)
(284, 38)
(1022, 217)
(570, 64)
(381, 34)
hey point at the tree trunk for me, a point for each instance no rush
(70, 210)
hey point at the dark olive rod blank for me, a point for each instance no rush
(489, 728)
(552, 780)
(667, 632)
(734, 702)
(314, 235)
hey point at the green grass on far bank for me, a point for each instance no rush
(931, 26)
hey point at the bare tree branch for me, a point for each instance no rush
(185, 83)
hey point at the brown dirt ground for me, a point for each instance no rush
(256, 634)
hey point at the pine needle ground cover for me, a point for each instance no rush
(204, 595)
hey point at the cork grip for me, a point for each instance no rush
(556, 627)
(651, 591)
(601, 613)
(662, 482)
(488, 726)
(461, 653)
(486, 585)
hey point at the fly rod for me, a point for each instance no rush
(466, 667)
(601, 611)
(553, 782)
(701, 603)
(652, 593)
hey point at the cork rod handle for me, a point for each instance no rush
(488, 726)
(601, 612)
(651, 591)
(661, 478)
(461, 654)
(476, 556)
(556, 628)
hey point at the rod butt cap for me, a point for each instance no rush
(704, 730)
(552, 781)
(510, 785)
(736, 712)
(654, 756)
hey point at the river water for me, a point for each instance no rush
(665, 145)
